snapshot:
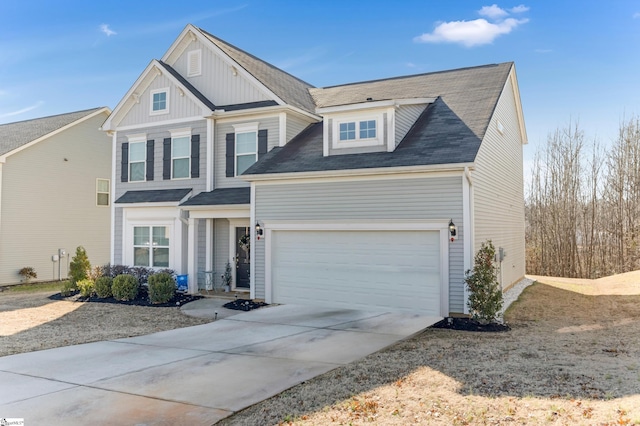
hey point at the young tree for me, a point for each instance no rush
(485, 294)
(80, 266)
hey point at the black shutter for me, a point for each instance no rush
(195, 156)
(166, 159)
(231, 145)
(124, 173)
(262, 143)
(150, 145)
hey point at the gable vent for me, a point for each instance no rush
(194, 63)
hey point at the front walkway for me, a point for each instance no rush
(196, 375)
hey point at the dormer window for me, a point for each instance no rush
(364, 130)
(159, 101)
(357, 132)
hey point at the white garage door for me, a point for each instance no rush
(390, 270)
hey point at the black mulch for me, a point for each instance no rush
(468, 324)
(141, 300)
(243, 305)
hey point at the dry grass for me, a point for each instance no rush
(572, 358)
(29, 321)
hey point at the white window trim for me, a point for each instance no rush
(180, 133)
(190, 72)
(108, 192)
(239, 129)
(336, 143)
(150, 245)
(141, 138)
(161, 111)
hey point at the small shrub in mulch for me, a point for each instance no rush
(142, 299)
(468, 324)
(243, 305)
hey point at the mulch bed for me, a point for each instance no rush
(243, 305)
(468, 324)
(141, 300)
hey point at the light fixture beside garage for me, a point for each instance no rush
(452, 230)
(258, 230)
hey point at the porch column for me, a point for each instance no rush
(192, 255)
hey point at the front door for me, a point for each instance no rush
(243, 250)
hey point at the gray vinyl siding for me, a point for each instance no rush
(421, 198)
(224, 88)
(498, 189)
(202, 245)
(49, 202)
(220, 246)
(272, 124)
(295, 126)
(158, 134)
(179, 106)
(405, 117)
(118, 232)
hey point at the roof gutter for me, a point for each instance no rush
(457, 167)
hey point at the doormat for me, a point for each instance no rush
(243, 305)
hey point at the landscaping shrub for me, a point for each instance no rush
(125, 287)
(86, 287)
(67, 288)
(27, 273)
(485, 294)
(103, 287)
(80, 267)
(162, 287)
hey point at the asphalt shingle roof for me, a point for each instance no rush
(15, 135)
(188, 86)
(449, 131)
(223, 196)
(290, 89)
(154, 196)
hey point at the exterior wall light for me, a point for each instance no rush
(452, 230)
(259, 230)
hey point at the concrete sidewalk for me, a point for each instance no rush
(196, 375)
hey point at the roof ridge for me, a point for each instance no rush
(414, 75)
(55, 115)
(208, 34)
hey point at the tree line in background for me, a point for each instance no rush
(583, 205)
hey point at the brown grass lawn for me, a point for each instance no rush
(571, 358)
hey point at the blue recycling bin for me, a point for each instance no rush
(182, 282)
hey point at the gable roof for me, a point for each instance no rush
(16, 135)
(188, 86)
(290, 89)
(449, 131)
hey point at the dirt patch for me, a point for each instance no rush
(570, 358)
(32, 321)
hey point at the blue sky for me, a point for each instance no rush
(575, 60)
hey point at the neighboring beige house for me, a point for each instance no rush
(354, 187)
(54, 193)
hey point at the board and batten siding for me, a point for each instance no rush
(49, 202)
(157, 134)
(217, 81)
(499, 189)
(272, 125)
(179, 106)
(360, 200)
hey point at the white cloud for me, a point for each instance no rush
(22, 111)
(108, 31)
(493, 12)
(636, 15)
(470, 33)
(477, 32)
(519, 9)
(411, 65)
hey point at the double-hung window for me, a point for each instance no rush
(159, 101)
(246, 152)
(180, 156)
(102, 192)
(151, 246)
(137, 160)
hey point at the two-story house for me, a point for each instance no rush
(366, 195)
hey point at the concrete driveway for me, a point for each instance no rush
(196, 375)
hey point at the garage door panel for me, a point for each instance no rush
(396, 270)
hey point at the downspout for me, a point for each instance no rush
(467, 223)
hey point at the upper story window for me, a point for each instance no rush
(246, 147)
(160, 101)
(194, 63)
(353, 130)
(180, 155)
(357, 131)
(102, 192)
(137, 160)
